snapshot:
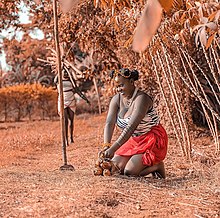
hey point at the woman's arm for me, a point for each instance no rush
(142, 104)
(111, 118)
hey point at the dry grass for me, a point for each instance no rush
(31, 184)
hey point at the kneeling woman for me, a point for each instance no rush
(142, 145)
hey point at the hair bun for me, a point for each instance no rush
(135, 75)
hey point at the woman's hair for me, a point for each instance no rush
(134, 75)
(126, 73)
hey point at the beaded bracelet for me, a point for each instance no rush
(106, 145)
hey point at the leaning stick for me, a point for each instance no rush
(211, 69)
(179, 111)
(213, 129)
(167, 105)
(216, 60)
(197, 90)
(203, 73)
(63, 137)
(175, 106)
(205, 102)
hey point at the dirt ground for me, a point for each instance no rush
(31, 184)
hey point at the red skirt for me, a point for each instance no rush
(153, 146)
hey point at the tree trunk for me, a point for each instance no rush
(98, 95)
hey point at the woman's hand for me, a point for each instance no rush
(109, 153)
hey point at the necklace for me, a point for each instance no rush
(128, 103)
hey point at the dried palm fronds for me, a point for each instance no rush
(168, 106)
(173, 89)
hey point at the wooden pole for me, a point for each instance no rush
(97, 92)
(63, 136)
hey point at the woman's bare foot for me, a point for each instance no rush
(157, 170)
(160, 172)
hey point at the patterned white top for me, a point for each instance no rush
(68, 95)
(151, 119)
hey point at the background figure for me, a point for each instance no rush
(142, 145)
(69, 104)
